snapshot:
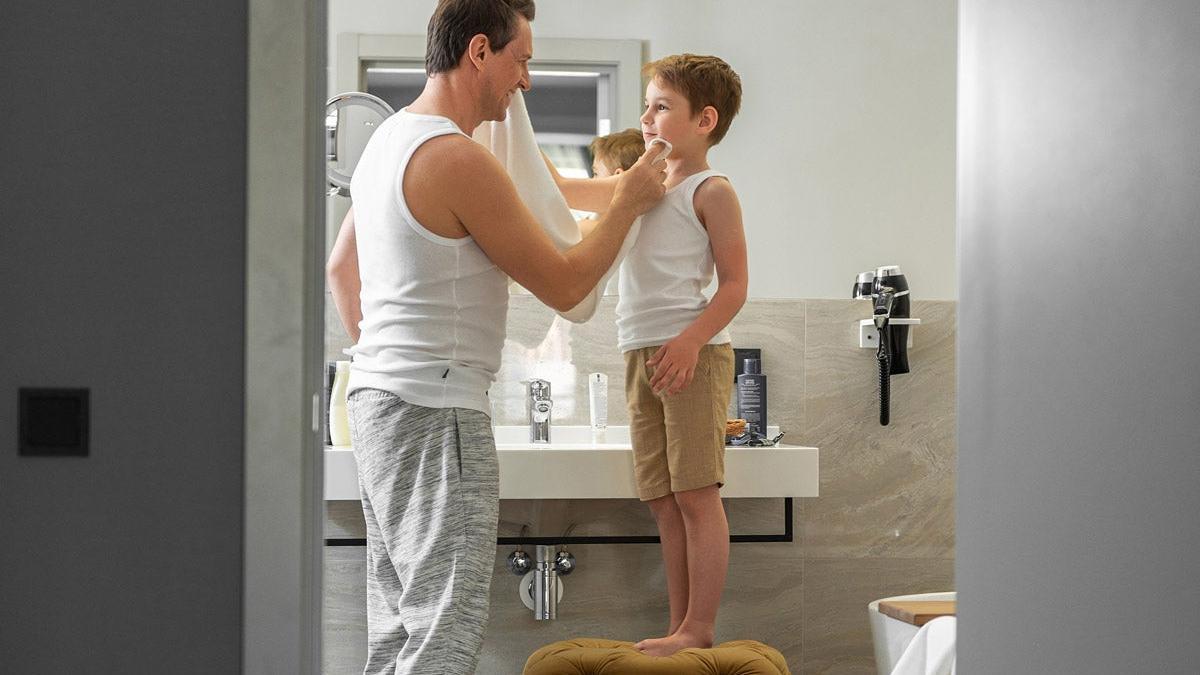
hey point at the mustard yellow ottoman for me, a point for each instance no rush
(592, 656)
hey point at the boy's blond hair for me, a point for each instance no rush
(618, 150)
(704, 81)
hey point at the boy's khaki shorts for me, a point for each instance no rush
(679, 440)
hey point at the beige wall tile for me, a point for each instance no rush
(542, 345)
(344, 520)
(344, 611)
(764, 599)
(777, 327)
(885, 491)
(584, 517)
(905, 576)
(837, 634)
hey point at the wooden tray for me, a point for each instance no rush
(917, 612)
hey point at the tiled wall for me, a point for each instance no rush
(883, 525)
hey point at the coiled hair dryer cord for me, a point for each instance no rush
(885, 377)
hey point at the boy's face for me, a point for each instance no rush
(669, 116)
(600, 170)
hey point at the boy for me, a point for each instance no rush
(611, 155)
(678, 358)
(616, 152)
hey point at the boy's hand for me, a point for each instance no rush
(674, 366)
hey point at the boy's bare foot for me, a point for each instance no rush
(674, 642)
(670, 631)
(641, 646)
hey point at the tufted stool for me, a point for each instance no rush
(593, 656)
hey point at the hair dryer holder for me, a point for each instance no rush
(868, 334)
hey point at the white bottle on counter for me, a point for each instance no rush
(339, 423)
(598, 404)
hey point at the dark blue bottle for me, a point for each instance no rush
(752, 396)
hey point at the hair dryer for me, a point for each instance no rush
(888, 290)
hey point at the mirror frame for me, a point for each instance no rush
(338, 180)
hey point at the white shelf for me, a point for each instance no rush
(576, 466)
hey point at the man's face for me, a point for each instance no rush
(668, 115)
(508, 72)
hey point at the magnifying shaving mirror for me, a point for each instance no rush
(350, 119)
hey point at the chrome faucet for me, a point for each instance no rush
(538, 405)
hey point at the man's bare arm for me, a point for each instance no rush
(584, 194)
(483, 198)
(341, 273)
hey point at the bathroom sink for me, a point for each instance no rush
(563, 435)
(576, 465)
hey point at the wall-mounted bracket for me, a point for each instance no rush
(868, 334)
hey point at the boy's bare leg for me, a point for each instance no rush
(707, 562)
(673, 535)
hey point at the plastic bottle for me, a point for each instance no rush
(339, 423)
(752, 396)
(598, 402)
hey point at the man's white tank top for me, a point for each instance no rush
(434, 308)
(663, 278)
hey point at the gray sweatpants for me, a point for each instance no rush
(430, 487)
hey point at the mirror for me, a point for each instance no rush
(350, 119)
(568, 104)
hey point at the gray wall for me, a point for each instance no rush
(122, 232)
(1079, 462)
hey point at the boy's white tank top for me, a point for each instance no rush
(663, 278)
(434, 308)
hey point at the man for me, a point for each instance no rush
(421, 265)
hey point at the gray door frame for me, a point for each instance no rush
(284, 335)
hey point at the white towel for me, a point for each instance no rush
(512, 142)
(931, 651)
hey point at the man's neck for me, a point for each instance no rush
(448, 96)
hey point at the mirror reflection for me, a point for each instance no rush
(568, 105)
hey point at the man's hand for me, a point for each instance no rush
(455, 182)
(674, 365)
(642, 186)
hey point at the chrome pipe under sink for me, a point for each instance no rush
(545, 585)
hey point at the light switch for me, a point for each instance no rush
(53, 422)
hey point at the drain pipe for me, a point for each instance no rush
(545, 585)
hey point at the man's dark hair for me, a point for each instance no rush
(455, 22)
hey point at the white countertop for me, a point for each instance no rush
(574, 465)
